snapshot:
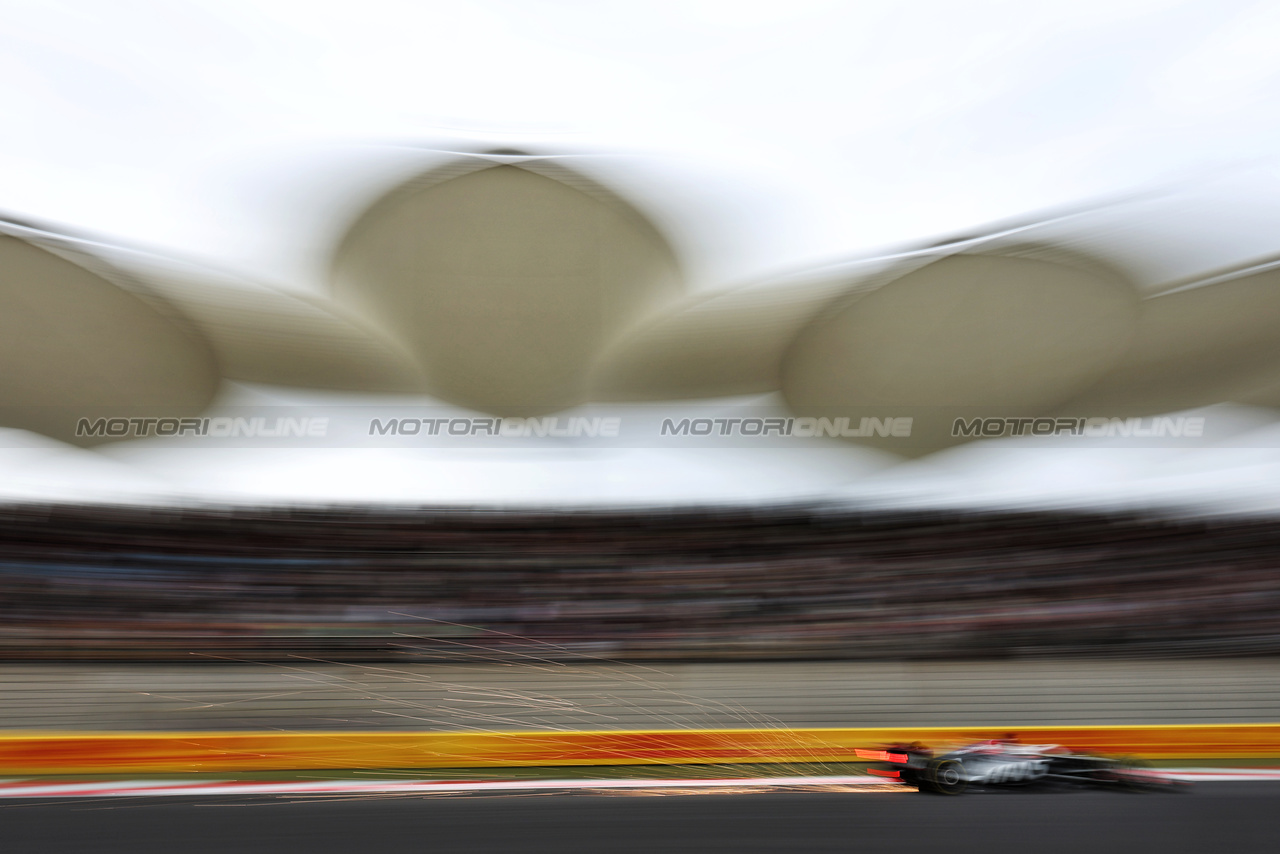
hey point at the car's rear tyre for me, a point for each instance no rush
(947, 777)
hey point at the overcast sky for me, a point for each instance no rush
(761, 136)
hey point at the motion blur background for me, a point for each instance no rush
(149, 584)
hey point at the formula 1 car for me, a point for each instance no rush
(1004, 763)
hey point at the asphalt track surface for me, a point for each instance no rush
(1214, 817)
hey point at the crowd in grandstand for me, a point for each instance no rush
(95, 582)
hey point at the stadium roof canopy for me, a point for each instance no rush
(587, 237)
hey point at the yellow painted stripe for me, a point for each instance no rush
(175, 752)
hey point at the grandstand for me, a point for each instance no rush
(149, 584)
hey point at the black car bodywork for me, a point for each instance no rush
(1007, 764)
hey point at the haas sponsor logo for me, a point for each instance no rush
(1016, 772)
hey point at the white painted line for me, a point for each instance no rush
(86, 789)
(1220, 775)
(135, 788)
